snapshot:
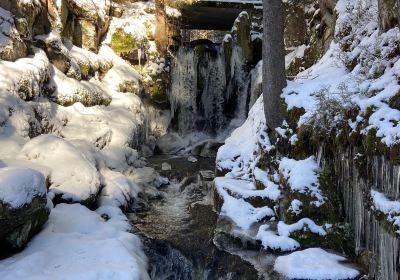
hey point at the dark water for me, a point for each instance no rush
(178, 229)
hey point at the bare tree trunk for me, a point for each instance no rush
(274, 76)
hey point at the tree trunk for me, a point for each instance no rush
(274, 77)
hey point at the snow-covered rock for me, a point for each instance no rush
(12, 46)
(73, 176)
(314, 263)
(241, 151)
(77, 243)
(23, 204)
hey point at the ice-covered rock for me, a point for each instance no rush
(23, 205)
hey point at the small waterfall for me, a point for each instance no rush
(371, 234)
(205, 94)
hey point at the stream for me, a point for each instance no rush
(178, 227)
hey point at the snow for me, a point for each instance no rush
(242, 213)
(314, 263)
(371, 83)
(78, 181)
(391, 208)
(303, 224)
(241, 149)
(78, 243)
(119, 190)
(18, 186)
(295, 206)
(302, 177)
(270, 240)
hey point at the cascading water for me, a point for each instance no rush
(205, 95)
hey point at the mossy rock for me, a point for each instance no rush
(293, 115)
(394, 102)
(259, 202)
(123, 42)
(302, 148)
(338, 238)
(18, 225)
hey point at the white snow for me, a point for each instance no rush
(242, 213)
(72, 175)
(270, 240)
(314, 263)
(79, 244)
(302, 177)
(303, 224)
(241, 149)
(18, 186)
(391, 208)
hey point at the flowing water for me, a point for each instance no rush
(177, 229)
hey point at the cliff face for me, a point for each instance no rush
(333, 169)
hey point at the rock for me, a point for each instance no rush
(91, 23)
(192, 159)
(165, 166)
(170, 143)
(207, 148)
(12, 46)
(389, 14)
(207, 175)
(241, 32)
(73, 176)
(23, 205)
(55, 50)
(31, 12)
(129, 46)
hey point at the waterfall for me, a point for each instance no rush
(205, 94)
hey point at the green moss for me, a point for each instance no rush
(302, 148)
(394, 101)
(293, 115)
(85, 69)
(122, 42)
(338, 238)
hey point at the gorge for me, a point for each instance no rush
(134, 142)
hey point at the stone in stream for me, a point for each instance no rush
(208, 148)
(165, 166)
(170, 143)
(192, 159)
(23, 206)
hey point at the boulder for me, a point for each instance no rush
(170, 143)
(23, 205)
(12, 45)
(91, 22)
(207, 148)
(55, 50)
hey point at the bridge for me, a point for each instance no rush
(216, 14)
